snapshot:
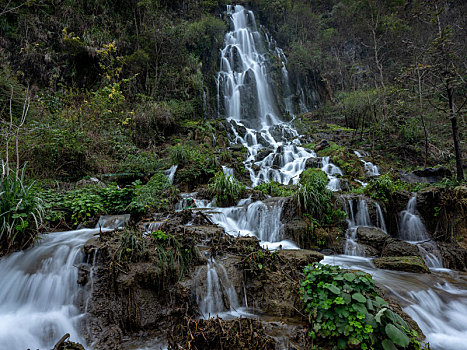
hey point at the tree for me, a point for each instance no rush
(446, 81)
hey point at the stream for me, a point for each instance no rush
(39, 297)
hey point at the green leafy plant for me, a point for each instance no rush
(226, 189)
(21, 211)
(345, 309)
(381, 188)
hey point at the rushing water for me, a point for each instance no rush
(39, 290)
(370, 168)
(412, 229)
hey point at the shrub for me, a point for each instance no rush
(381, 188)
(21, 211)
(345, 309)
(155, 195)
(226, 189)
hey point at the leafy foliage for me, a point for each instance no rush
(21, 211)
(345, 309)
(381, 188)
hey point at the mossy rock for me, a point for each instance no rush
(406, 263)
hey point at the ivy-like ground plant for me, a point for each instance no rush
(344, 309)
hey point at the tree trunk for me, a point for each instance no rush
(455, 135)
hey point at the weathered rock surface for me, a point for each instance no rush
(373, 237)
(454, 256)
(406, 263)
(396, 247)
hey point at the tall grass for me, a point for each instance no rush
(313, 197)
(21, 211)
(226, 189)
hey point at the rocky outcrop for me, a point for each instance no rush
(427, 175)
(373, 237)
(454, 256)
(406, 264)
(396, 247)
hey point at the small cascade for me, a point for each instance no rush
(332, 171)
(170, 173)
(380, 218)
(370, 168)
(259, 219)
(39, 290)
(360, 217)
(412, 229)
(187, 200)
(215, 292)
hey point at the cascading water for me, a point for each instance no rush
(246, 98)
(412, 229)
(332, 171)
(370, 168)
(171, 173)
(39, 291)
(360, 217)
(215, 292)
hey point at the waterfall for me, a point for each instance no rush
(246, 99)
(215, 292)
(332, 171)
(39, 291)
(412, 229)
(171, 173)
(370, 168)
(356, 218)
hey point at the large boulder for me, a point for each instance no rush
(373, 237)
(313, 162)
(396, 247)
(406, 263)
(322, 145)
(300, 257)
(427, 175)
(454, 256)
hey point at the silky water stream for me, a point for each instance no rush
(39, 291)
(437, 301)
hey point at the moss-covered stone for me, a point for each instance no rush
(406, 263)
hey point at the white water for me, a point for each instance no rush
(246, 99)
(39, 290)
(358, 215)
(215, 293)
(370, 168)
(412, 229)
(332, 171)
(171, 173)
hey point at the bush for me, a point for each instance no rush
(345, 309)
(157, 194)
(21, 211)
(381, 188)
(226, 189)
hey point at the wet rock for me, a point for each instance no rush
(236, 147)
(300, 257)
(321, 145)
(83, 274)
(289, 210)
(313, 163)
(368, 251)
(297, 231)
(373, 237)
(454, 256)
(406, 263)
(427, 175)
(396, 247)
(263, 153)
(65, 344)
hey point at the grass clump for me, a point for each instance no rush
(226, 189)
(21, 211)
(275, 189)
(344, 309)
